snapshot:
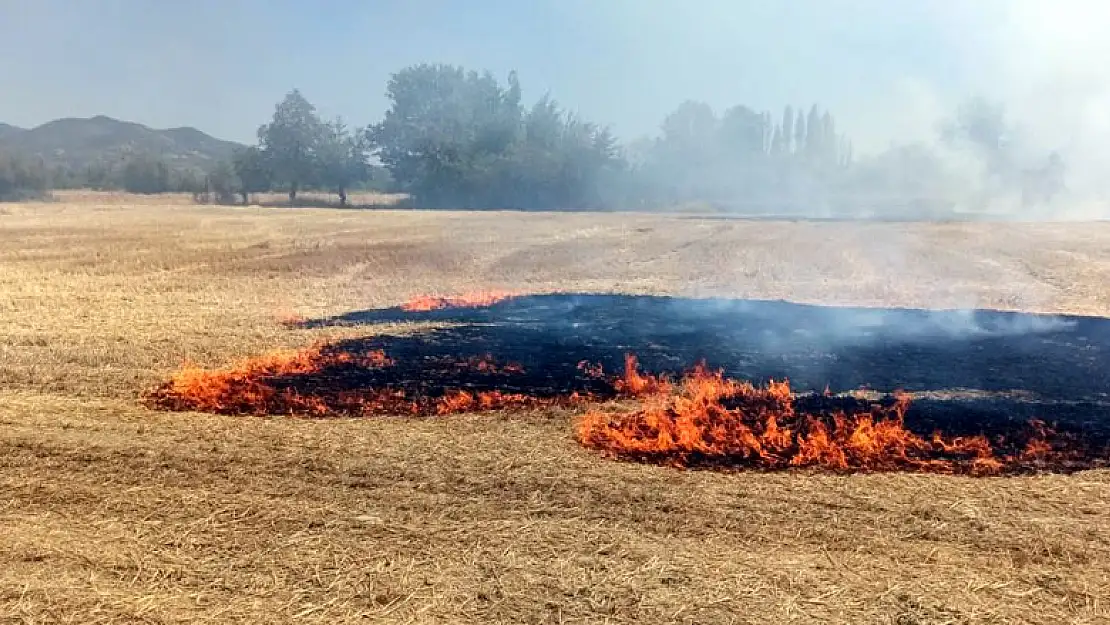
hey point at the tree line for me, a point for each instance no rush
(23, 178)
(453, 138)
(457, 138)
(29, 178)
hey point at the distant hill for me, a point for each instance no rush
(7, 130)
(75, 143)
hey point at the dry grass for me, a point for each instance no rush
(88, 197)
(111, 513)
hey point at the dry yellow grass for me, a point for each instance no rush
(111, 513)
(116, 198)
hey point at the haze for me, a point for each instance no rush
(887, 69)
(891, 73)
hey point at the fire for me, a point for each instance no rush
(324, 381)
(636, 384)
(701, 419)
(476, 299)
(247, 387)
(709, 420)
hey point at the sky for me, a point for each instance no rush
(886, 69)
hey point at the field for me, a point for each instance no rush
(110, 512)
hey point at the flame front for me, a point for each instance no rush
(248, 388)
(702, 419)
(712, 421)
(476, 299)
(314, 382)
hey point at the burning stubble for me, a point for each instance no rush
(699, 419)
(424, 303)
(707, 420)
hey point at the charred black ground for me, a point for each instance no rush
(972, 372)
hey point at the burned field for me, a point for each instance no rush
(978, 392)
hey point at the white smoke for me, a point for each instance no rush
(1045, 62)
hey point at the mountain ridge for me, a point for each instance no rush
(77, 142)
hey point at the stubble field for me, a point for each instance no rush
(110, 512)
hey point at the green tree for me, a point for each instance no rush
(341, 159)
(252, 172)
(687, 149)
(146, 174)
(101, 176)
(63, 177)
(290, 142)
(574, 167)
(223, 182)
(445, 124)
(21, 179)
(691, 126)
(187, 181)
(742, 133)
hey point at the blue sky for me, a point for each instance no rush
(883, 67)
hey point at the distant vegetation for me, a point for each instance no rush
(454, 138)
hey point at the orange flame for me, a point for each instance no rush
(709, 420)
(702, 419)
(246, 387)
(476, 299)
(252, 387)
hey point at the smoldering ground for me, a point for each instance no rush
(814, 346)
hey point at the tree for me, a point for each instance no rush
(981, 127)
(146, 174)
(100, 176)
(557, 161)
(587, 158)
(187, 181)
(768, 132)
(543, 125)
(341, 159)
(741, 133)
(252, 171)
(800, 133)
(787, 130)
(690, 144)
(978, 123)
(845, 153)
(447, 132)
(777, 140)
(20, 179)
(290, 142)
(815, 145)
(65, 177)
(911, 179)
(222, 182)
(691, 127)
(829, 141)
